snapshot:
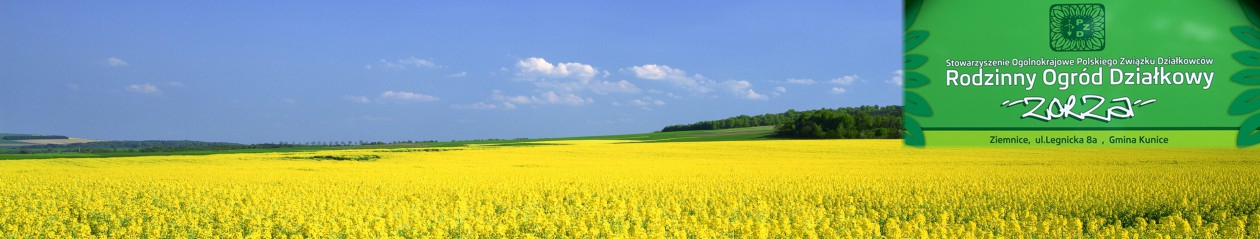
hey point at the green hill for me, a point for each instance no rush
(19, 140)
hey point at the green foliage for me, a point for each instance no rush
(913, 102)
(1247, 132)
(916, 105)
(1247, 102)
(913, 135)
(1249, 58)
(1247, 35)
(742, 121)
(914, 38)
(864, 122)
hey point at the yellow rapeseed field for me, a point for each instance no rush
(596, 189)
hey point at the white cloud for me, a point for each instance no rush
(145, 88)
(845, 80)
(645, 103)
(407, 96)
(566, 99)
(639, 102)
(656, 72)
(115, 62)
(498, 95)
(779, 91)
(599, 87)
(415, 62)
(751, 95)
(695, 83)
(288, 100)
(799, 81)
(550, 97)
(460, 74)
(476, 106)
(838, 90)
(621, 86)
(743, 89)
(679, 78)
(485, 106)
(539, 67)
(672, 95)
(898, 78)
(404, 64)
(569, 77)
(357, 99)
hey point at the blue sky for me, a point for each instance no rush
(271, 71)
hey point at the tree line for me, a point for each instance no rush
(741, 121)
(862, 122)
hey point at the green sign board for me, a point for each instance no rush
(1125, 73)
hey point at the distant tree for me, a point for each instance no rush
(843, 123)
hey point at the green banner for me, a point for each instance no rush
(1110, 73)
